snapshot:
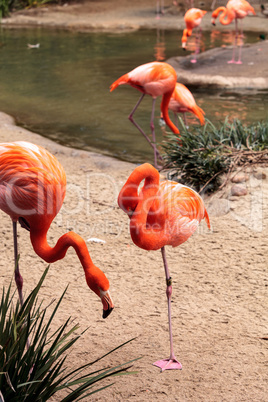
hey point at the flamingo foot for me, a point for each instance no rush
(231, 61)
(193, 61)
(168, 364)
(238, 62)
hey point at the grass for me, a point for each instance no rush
(201, 156)
(38, 371)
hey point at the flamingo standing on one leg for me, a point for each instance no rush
(32, 190)
(161, 214)
(193, 18)
(234, 10)
(182, 101)
(154, 79)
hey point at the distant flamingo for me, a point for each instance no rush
(192, 18)
(32, 190)
(161, 214)
(154, 79)
(234, 10)
(182, 101)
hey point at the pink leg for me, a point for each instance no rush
(197, 45)
(235, 44)
(240, 47)
(18, 277)
(170, 363)
(139, 128)
(156, 153)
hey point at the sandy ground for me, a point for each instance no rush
(219, 285)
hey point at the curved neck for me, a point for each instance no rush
(164, 109)
(51, 254)
(144, 235)
(224, 13)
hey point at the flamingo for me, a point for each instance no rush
(192, 18)
(161, 214)
(234, 10)
(182, 101)
(154, 79)
(32, 190)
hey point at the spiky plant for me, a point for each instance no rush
(33, 360)
(200, 156)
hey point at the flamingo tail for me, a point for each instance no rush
(199, 113)
(207, 219)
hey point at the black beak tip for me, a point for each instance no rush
(213, 23)
(184, 48)
(107, 312)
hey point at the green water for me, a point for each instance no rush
(61, 89)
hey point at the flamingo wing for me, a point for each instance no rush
(183, 211)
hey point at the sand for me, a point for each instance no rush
(219, 301)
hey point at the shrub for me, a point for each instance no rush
(200, 157)
(32, 359)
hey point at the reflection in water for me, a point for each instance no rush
(160, 46)
(61, 89)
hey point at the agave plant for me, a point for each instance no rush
(32, 359)
(202, 155)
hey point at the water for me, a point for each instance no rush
(61, 89)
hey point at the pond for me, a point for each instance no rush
(61, 88)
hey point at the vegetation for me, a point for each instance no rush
(199, 157)
(32, 359)
(6, 6)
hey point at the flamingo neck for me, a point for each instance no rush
(94, 276)
(226, 16)
(144, 234)
(164, 109)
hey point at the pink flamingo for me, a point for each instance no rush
(154, 79)
(161, 214)
(32, 190)
(234, 10)
(193, 18)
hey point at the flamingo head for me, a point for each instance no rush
(99, 284)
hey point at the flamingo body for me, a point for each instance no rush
(234, 10)
(154, 79)
(182, 101)
(192, 18)
(32, 190)
(161, 214)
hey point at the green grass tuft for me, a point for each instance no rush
(38, 371)
(200, 156)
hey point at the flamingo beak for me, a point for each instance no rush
(107, 303)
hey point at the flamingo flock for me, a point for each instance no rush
(161, 213)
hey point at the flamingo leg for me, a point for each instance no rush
(139, 128)
(170, 363)
(197, 45)
(185, 120)
(240, 45)
(156, 153)
(235, 44)
(18, 277)
(176, 119)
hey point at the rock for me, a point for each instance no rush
(259, 174)
(238, 190)
(240, 178)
